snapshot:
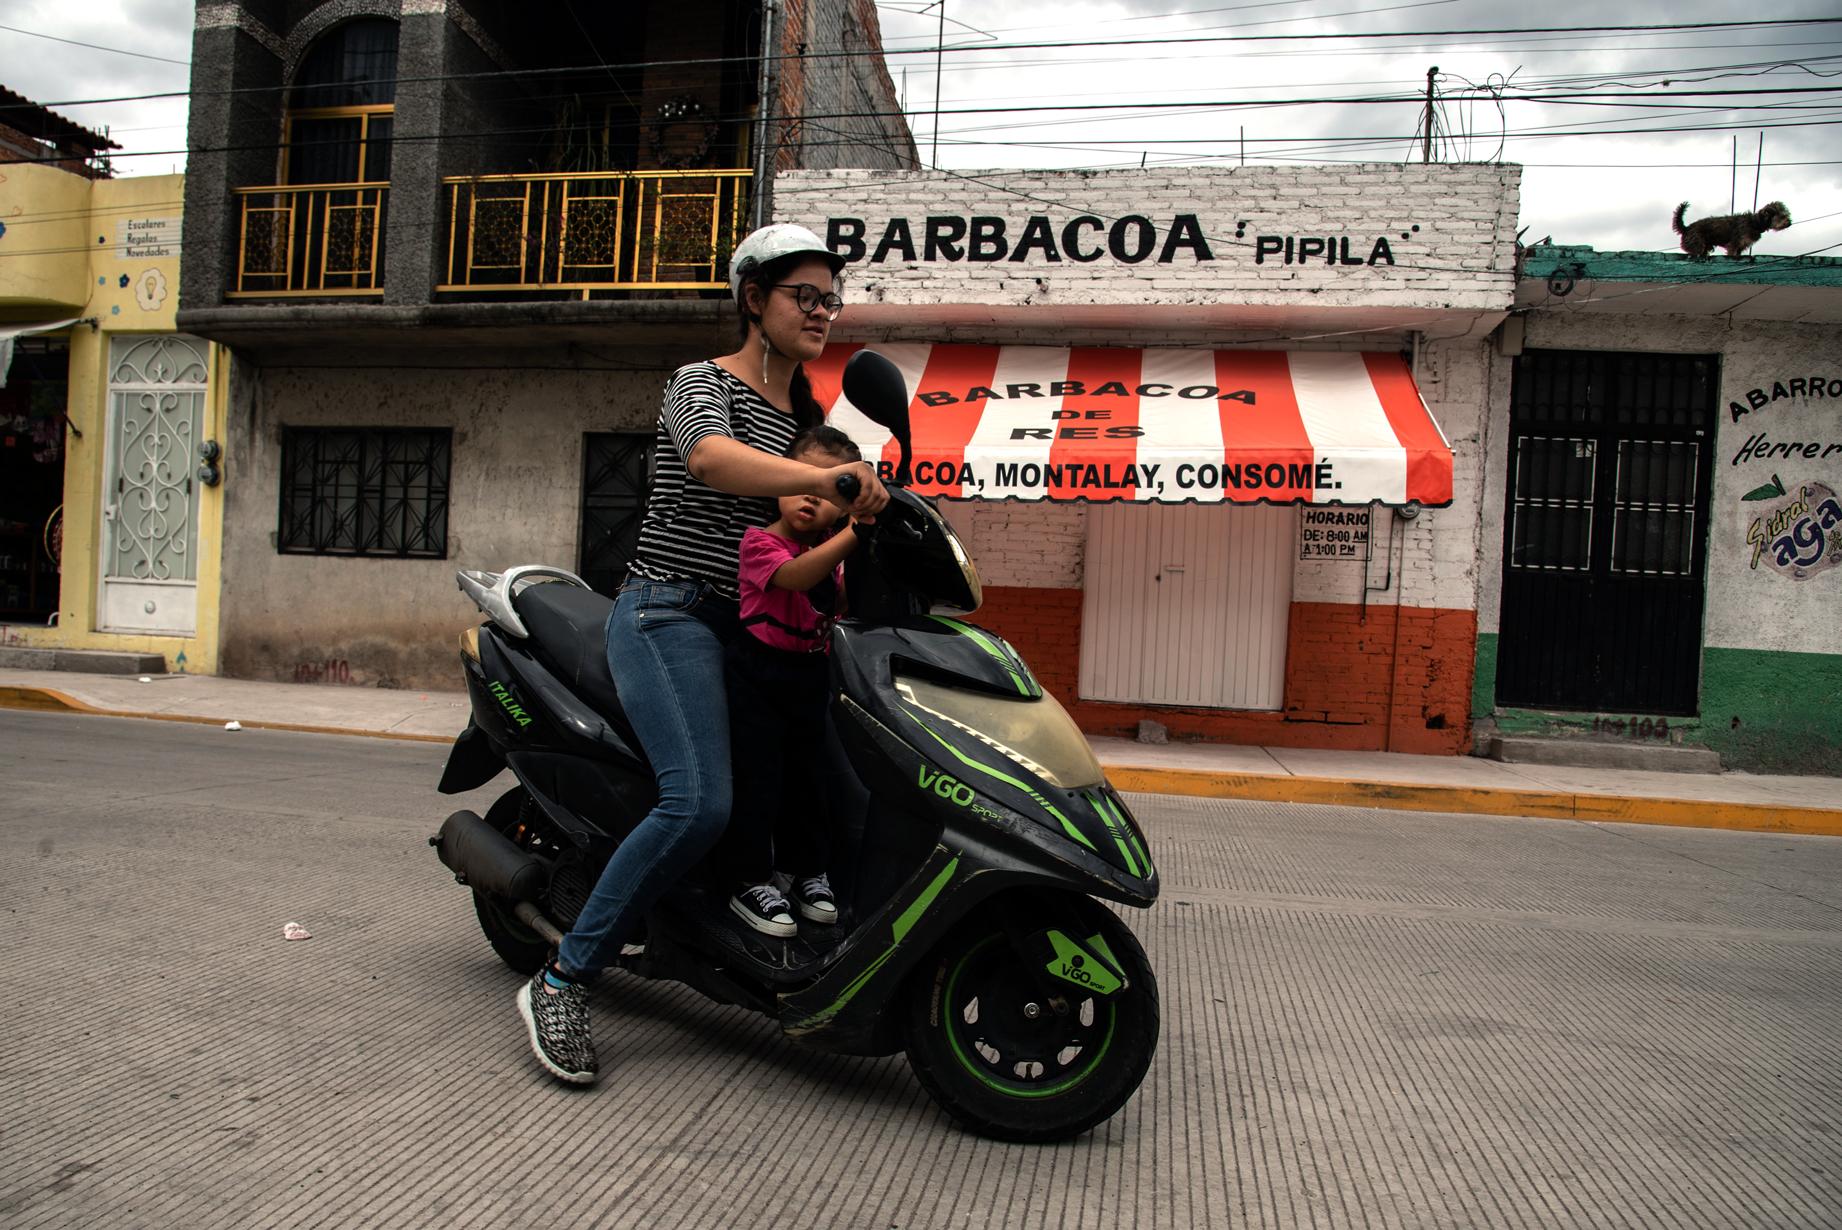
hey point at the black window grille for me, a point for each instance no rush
(365, 491)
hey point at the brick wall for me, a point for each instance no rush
(1450, 230)
(1376, 680)
(836, 110)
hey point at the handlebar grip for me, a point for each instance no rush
(849, 487)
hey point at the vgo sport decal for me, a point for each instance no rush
(949, 788)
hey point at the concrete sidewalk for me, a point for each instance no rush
(1466, 784)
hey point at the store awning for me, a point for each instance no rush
(1163, 425)
(12, 333)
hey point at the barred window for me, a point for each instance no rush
(364, 491)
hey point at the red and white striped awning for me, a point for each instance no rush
(1171, 426)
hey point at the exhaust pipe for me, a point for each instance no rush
(480, 856)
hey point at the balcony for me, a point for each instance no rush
(590, 231)
(300, 241)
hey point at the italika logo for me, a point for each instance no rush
(1799, 534)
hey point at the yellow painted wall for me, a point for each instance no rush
(45, 261)
(132, 287)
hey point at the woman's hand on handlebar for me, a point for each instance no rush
(855, 488)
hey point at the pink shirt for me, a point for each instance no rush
(760, 558)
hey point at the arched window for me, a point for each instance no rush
(337, 126)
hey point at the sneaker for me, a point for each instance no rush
(816, 900)
(557, 1021)
(763, 908)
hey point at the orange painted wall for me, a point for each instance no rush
(1354, 681)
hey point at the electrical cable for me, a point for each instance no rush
(1114, 44)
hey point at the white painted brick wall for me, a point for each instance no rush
(1436, 554)
(1459, 258)
(1035, 545)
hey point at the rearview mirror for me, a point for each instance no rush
(875, 386)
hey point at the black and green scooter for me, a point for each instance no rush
(981, 830)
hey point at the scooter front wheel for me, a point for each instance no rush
(1015, 1055)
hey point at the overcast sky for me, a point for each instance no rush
(1614, 191)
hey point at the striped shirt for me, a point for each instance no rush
(691, 532)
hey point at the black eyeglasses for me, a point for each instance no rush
(810, 298)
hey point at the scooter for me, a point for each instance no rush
(980, 824)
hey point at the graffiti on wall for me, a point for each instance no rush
(1796, 531)
(1632, 727)
(331, 670)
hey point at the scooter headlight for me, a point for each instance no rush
(1037, 734)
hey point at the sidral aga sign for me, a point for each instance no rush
(1084, 239)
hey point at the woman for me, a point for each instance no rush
(718, 467)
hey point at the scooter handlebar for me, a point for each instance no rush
(849, 488)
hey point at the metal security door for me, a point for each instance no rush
(150, 496)
(1606, 530)
(616, 474)
(1187, 605)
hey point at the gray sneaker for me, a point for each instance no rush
(815, 899)
(557, 1022)
(763, 908)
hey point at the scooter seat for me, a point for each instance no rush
(568, 627)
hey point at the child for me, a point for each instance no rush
(779, 679)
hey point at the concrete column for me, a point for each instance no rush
(235, 140)
(415, 162)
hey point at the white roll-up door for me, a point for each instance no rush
(1187, 605)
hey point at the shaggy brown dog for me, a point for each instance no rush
(1734, 232)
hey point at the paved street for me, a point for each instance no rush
(1370, 1019)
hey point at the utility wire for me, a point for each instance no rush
(1118, 45)
(71, 42)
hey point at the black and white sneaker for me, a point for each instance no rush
(815, 899)
(763, 908)
(556, 1019)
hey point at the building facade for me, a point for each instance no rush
(1661, 514)
(1299, 613)
(456, 250)
(110, 419)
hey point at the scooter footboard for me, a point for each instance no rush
(847, 1010)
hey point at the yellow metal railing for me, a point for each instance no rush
(311, 239)
(602, 230)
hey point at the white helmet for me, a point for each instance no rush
(772, 243)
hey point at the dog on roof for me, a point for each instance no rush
(1734, 232)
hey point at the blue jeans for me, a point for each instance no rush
(665, 649)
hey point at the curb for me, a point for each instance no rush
(50, 700)
(1484, 800)
(1255, 787)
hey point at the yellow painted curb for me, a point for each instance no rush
(49, 700)
(1483, 800)
(1257, 787)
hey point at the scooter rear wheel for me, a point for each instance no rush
(1014, 1058)
(521, 948)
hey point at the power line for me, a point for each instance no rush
(1116, 44)
(139, 55)
(1583, 128)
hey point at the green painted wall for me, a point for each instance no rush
(1764, 711)
(1773, 712)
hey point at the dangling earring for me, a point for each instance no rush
(764, 358)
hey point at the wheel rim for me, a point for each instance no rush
(985, 1013)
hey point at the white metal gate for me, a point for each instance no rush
(1187, 604)
(150, 495)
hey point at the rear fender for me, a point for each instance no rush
(472, 762)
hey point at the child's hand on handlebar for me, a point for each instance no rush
(855, 488)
